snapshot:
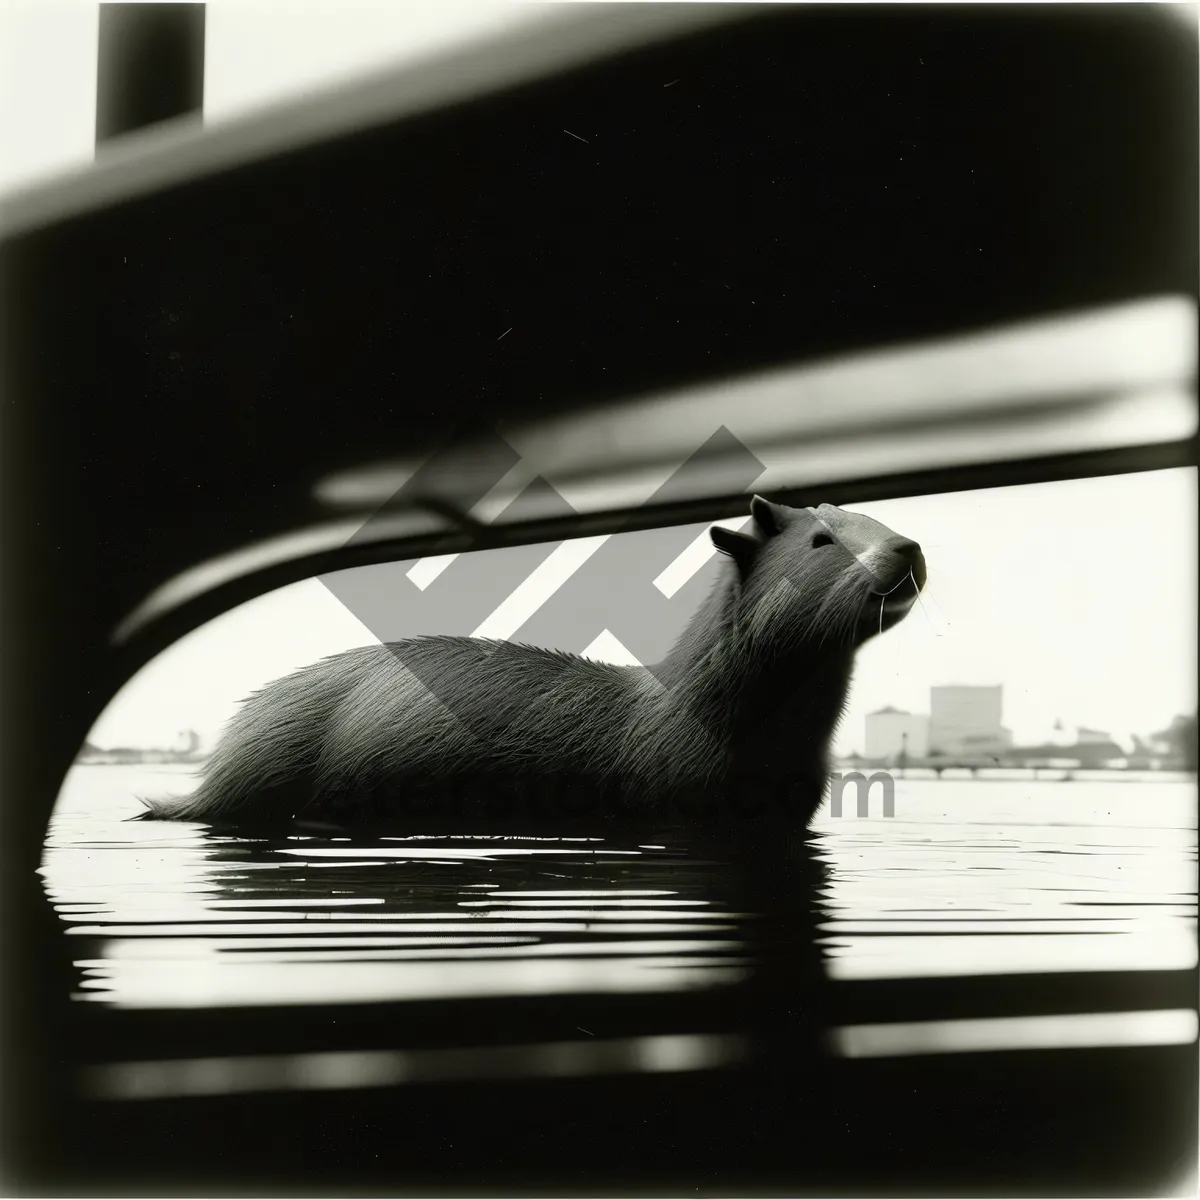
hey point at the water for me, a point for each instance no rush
(1025, 877)
(1004, 942)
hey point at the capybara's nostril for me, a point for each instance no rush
(903, 557)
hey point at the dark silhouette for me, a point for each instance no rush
(737, 718)
(1180, 740)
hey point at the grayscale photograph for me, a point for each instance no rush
(599, 599)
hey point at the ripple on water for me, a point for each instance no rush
(1003, 877)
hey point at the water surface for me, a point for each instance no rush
(1010, 960)
(970, 877)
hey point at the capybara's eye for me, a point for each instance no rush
(821, 539)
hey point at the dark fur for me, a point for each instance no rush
(753, 689)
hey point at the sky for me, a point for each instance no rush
(1078, 597)
(256, 52)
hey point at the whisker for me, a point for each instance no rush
(937, 608)
(936, 632)
(884, 595)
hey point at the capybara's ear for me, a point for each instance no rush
(770, 518)
(741, 547)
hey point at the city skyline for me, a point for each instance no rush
(891, 732)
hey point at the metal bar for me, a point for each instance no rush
(150, 67)
(171, 153)
(156, 623)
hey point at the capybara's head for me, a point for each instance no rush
(820, 576)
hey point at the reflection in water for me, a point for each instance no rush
(1014, 878)
(178, 917)
(985, 879)
(1010, 962)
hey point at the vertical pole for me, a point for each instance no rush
(150, 66)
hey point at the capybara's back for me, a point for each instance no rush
(401, 715)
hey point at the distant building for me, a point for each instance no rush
(187, 742)
(966, 720)
(1060, 735)
(1178, 743)
(892, 732)
(186, 749)
(1091, 755)
(1066, 735)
